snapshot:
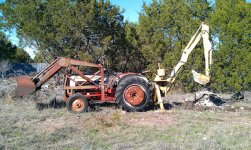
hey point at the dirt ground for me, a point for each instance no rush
(41, 121)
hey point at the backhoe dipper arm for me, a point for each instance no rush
(202, 32)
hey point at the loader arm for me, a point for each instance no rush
(26, 85)
(161, 81)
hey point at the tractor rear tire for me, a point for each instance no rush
(77, 103)
(133, 93)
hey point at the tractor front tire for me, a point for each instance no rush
(77, 103)
(134, 93)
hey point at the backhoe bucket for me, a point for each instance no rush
(200, 78)
(25, 86)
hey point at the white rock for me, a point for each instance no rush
(204, 138)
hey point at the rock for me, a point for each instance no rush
(204, 138)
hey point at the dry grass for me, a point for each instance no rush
(22, 126)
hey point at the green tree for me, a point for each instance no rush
(7, 49)
(126, 55)
(38, 58)
(165, 27)
(10, 52)
(232, 26)
(88, 29)
(91, 30)
(135, 59)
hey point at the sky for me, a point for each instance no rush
(131, 7)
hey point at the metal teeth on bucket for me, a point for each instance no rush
(25, 86)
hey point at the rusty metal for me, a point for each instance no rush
(57, 64)
(65, 62)
(134, 95)
(82, 75)
(51, 65)
(25, 85)
(48, 75)
(102, 84)
(96, 73)
(69, 77)
(90, 89)
(78, 105)
(81, 87)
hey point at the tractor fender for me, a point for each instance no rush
(125, 75)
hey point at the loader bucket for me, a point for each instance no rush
(200, 78)
(25, 86)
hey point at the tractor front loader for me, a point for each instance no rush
(130, 90)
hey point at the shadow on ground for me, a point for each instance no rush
(93, 107)
(56, 104)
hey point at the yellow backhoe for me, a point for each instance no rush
(163, 83)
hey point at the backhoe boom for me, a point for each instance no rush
(161, 80)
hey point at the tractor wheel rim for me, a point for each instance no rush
(134, 95)
(77, 105)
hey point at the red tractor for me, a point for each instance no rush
(131, 91)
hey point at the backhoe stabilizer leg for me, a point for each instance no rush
(160, 100)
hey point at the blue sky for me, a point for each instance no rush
(132, 8)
